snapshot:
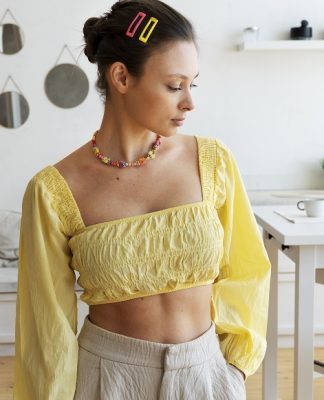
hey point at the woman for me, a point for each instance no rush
(160, 229)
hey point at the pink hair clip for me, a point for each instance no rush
(140, 16)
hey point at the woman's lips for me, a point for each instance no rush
(178, 122)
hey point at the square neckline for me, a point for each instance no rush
(138, 216)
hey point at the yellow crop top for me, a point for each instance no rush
(215, 241)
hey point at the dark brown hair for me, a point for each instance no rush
(106, 42)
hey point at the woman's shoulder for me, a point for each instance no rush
(40, 179)
(212, 148)
(44, 187)
(49, 188)
(49, 181)
(215, 158)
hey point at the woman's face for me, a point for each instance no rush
(161, 98)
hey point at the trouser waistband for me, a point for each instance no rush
(125, 349)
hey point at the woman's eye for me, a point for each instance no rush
(173, 89)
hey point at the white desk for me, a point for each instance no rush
(304, 245)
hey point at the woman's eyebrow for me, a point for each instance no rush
(182, 76)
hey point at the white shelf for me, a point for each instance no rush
(282, 45)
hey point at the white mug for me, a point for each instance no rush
(313, 207)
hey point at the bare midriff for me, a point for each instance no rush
(174, 317)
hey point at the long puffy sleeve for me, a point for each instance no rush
(240, 294)
(46, 309)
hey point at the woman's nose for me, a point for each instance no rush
(187, 103)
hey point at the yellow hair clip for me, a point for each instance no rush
(144, 39)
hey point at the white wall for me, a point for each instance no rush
(267, 106)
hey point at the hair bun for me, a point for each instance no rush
(120, 4)
(92, 38)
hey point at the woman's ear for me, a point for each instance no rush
(118, 77)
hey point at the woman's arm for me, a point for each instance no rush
(241, 291)
(46, 308)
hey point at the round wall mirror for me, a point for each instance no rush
(12, 38)
(66, 85)
(14, 109)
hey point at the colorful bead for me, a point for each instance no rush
(123, 164)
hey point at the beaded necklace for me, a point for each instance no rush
(122, 164)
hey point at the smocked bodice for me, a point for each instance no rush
(152, 253)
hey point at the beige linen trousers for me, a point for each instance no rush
(117, 367)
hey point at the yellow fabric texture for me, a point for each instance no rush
(215, 241)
